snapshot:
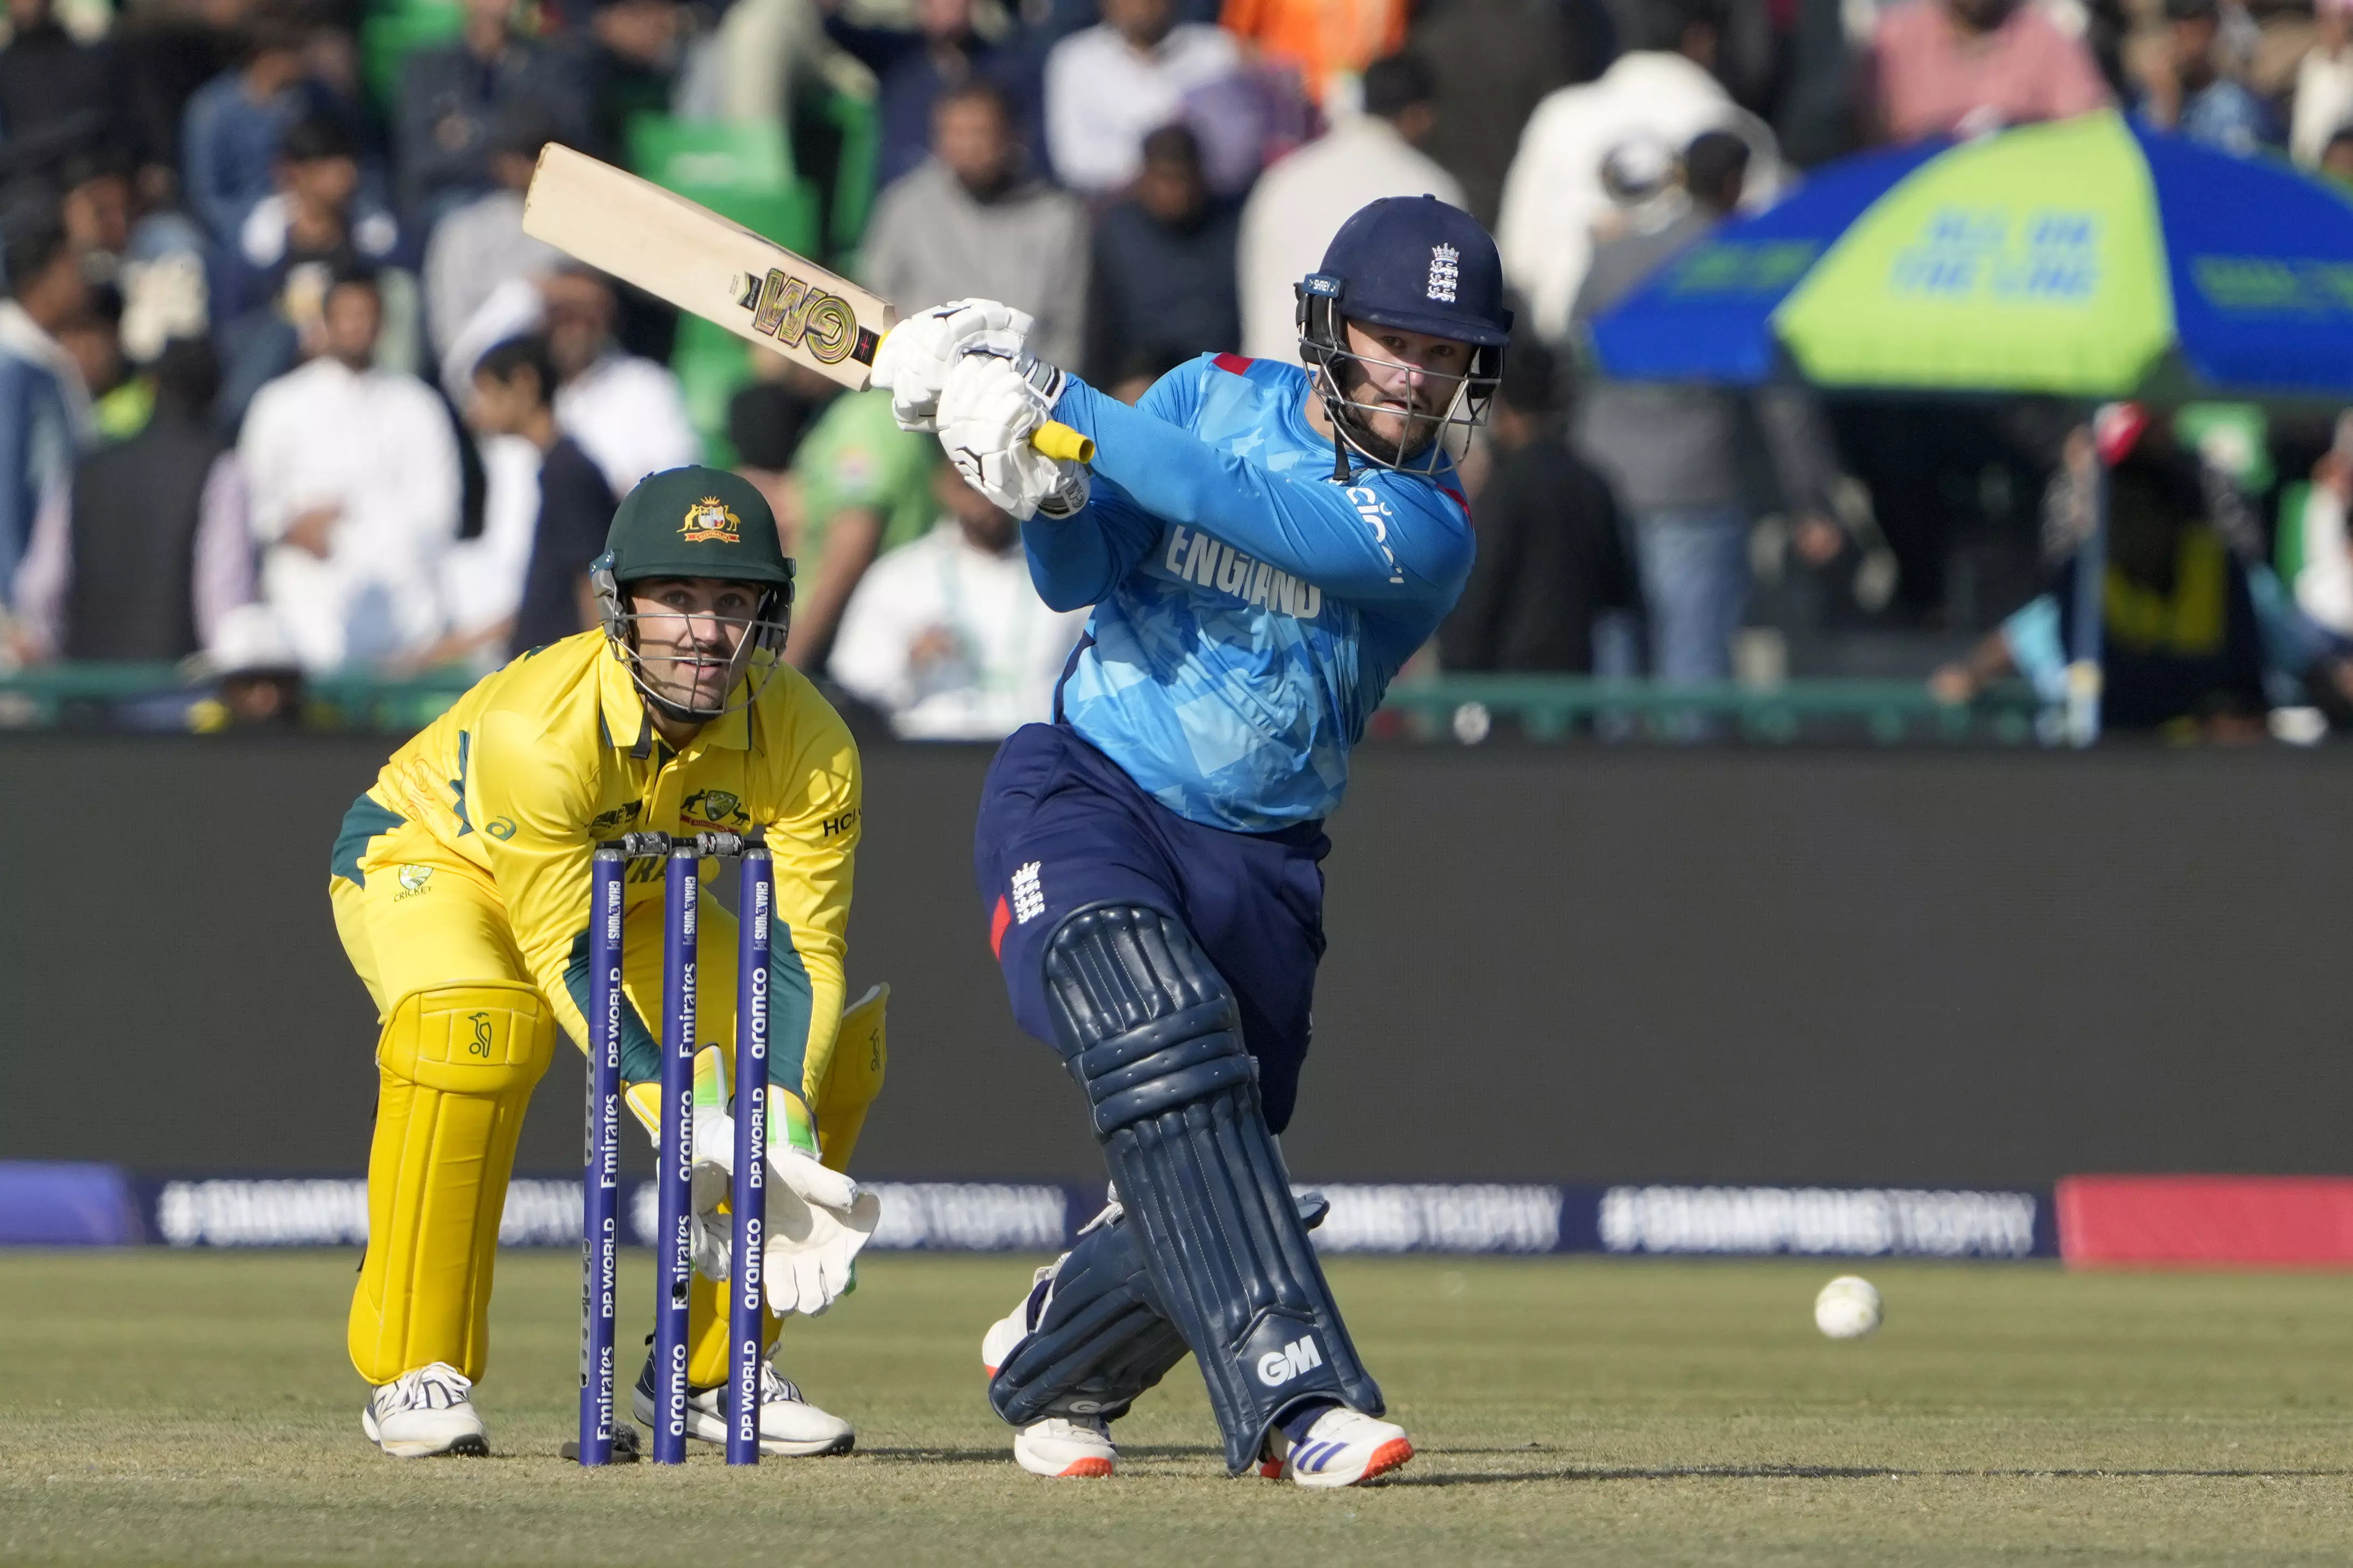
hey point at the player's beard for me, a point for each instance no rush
(1348, 381)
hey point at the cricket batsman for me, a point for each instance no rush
(460, 886)
(1263, 545)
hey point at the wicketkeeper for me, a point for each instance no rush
(1263, 546)
(460, 889)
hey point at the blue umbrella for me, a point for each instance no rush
(2077, 258)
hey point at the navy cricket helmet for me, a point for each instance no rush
(1415, 264)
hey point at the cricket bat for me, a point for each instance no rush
(693, 258)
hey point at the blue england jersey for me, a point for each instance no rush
(1249, 610)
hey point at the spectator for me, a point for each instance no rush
(1109, 86)
(146, 550)
(54, 89)
(318, 213)
(1661, 89)
(2188, 91)
(1330, 42)
(169, 49)
(767, 419)
(1962, 68)
(1163, 264)
(354, 482)
(865, 487)
(1300, 203)
(456, 98)
(481, 244)
(259, 683)
(626, 411)
(45, 415)
(119, 404)
(2323, 83)
(1135, 374)
(1679, 455)
(554, 503)
(763, 61)
(2181, 646)
(2324, 584)
(2336, 157)
(318, 222)
(1551, 563)
(634, 52)
(946, 633)
(1492, 62)
(236, 121)
(914, 69)
(969, 223)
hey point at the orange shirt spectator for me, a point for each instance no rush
(1960, 68)
(1329, 40)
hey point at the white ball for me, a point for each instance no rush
(1848, 1308)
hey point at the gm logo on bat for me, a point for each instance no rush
(796, 313)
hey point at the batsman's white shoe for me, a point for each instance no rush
(1080, 1446)
(1343, 1448)
(790, 1427)
(423, 1413)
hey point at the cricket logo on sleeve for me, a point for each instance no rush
(709, 519)
(800, 314)
(414, 879)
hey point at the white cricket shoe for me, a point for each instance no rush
(790, 1427)
(1075, 1446)
(1343, 1448)
(423, 1413)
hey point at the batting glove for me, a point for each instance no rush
(990, 407)
(915, 356)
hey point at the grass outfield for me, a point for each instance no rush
(162, 1407)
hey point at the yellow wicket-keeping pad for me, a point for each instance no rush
(456, 1066)
(846, 1082)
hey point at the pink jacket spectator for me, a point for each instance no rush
(1929, 78)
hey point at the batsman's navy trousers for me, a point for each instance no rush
(1061, 828)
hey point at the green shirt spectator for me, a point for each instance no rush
(865, 487)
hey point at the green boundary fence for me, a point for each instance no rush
(1453, 710)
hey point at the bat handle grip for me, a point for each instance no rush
(1059, 440)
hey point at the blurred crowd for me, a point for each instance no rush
(284, 388)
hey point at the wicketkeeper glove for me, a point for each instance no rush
(914, 358)
(818, 1218)
(989, 408)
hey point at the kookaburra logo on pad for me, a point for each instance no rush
(1445, 271)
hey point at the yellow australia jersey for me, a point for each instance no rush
(554, 751)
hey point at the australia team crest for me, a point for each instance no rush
(709, 519)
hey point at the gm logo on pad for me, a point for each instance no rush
(1276, 1368)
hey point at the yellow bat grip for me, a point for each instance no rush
(1059, 440)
